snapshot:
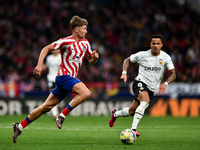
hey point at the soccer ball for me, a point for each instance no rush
(127, 136)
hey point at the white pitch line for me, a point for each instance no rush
(104, 128)
(117, 126)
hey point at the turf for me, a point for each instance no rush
(93, 133)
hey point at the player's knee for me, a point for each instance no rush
(85, 95)
(131, 112)
(147, 100)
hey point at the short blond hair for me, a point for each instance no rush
(77, 21)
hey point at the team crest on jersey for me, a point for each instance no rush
(58, 41)
(84, 48)
(160, 61)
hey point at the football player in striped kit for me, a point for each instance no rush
(73, 49)
(152, 64)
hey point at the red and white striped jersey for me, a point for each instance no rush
(72, 54)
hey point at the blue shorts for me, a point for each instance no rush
(64, 85)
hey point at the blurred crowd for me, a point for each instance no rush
(116, 30)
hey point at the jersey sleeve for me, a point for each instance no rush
(169, 63)
(59, 44)
(88, 49)
(135, 57)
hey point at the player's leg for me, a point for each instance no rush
(83, 93)
(133, 107)
(125, 112)
(50, 102)
(143, 97)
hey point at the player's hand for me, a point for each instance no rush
(124, 78)
(162, 88)
(37, 71)
(95, 55)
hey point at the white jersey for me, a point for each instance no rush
(151, 68)
(53, 63)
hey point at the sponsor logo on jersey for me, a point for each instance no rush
(74, 60)
(153, 69)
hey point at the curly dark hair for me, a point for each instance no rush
(157, 36)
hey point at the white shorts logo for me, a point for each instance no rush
(139, 84)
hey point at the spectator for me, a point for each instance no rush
(120, 27)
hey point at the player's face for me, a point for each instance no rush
(156, 45)
(81, 31)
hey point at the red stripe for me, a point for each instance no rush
(76, 69)
(62, 51)
(74, 57)
(62, 66)
(80, 57)
(65, 43)
(63, 71)
(84, 40)
(87, 50)
(24, 123)
(66, 111)
(79, 66)
(54, 45)
(71, 69)
(81, 49)
(67, 61)
(75, 50)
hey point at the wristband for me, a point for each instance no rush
(166, 83)
(124, 72)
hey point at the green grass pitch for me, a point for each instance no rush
(94, 133)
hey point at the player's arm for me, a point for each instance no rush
(125, 67)
(93, 58)
(38, 69)
(171, 78)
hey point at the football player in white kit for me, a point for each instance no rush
(152, 64)
(53, 62)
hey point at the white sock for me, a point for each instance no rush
(54, 110)
(20, 127)
(62, 115)
(122, 113)
(139, 112)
